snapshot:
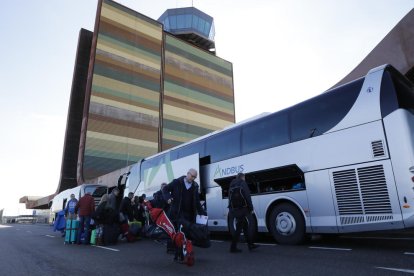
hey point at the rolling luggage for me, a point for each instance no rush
(93, 237)
(125, 232)
(71, 233)
(135, 228)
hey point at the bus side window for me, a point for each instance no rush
(253, 187)
(224, 184)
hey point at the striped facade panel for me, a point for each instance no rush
(123, 118)
(198, 93)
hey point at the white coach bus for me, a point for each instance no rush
(60, 200)
(340, 162)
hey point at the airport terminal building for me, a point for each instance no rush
(141, 86)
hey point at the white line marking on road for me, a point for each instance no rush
(409, 253)
(103, 247)
(397, 269)
(28, 231)
(50, 236)
(266, 244)
(330, 248)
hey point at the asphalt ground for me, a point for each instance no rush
(37, 250)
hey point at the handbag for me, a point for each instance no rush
(200, 235)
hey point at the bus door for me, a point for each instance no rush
(157, 171)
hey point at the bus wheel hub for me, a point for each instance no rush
(285, 224)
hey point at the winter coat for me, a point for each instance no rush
(245, 191)
(175, 190)
(126, 208)
(71, 206)
(86, 205)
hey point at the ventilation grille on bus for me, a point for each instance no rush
(378, 148)
(362, 195)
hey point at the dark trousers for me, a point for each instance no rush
(242, 224)
(84, 223)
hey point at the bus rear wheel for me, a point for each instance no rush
(287, 224)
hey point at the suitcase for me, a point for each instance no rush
(71, 231)
(93, 237)
(125, 232)
(135, 228)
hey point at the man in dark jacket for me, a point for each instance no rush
(242, 214)
(183, 196)
(158, 200)
(184, 200)
(85, 208)
(126, 208)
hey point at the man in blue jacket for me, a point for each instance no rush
(70, 210)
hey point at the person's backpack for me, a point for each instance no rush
(236, 197)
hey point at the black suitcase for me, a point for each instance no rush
(110, 234)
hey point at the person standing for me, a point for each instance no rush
(70, 208)
(138, 211)
(241, 208)
(85, 208)
(99, 217)
(125, 215)
(158, 200)
(183, 196)
(126, 209)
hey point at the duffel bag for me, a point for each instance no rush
(199, 235)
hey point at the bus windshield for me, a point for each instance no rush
(96, 191)
(396, 92)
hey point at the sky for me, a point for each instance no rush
(283, 52)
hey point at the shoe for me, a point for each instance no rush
(179, 260)
(253, 246)
(235, 250)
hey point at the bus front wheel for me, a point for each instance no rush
(287, 224)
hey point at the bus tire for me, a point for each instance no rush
(287, 224)
(252, 226)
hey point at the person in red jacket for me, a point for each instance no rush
(85, 208)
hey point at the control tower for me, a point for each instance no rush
(191, 25)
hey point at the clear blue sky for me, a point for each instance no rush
(283, 52)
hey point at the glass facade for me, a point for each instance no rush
(181, 20)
